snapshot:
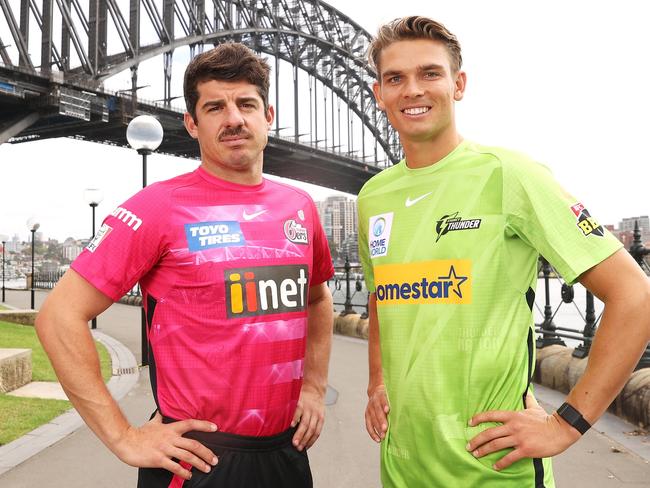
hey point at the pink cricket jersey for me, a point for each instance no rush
(225, 271)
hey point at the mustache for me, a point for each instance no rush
(239, 131)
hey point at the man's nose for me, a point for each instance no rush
(233, 116)
(412, 88)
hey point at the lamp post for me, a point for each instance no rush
(144, 134)
(33, 226)
(93, 197)
(3, 270)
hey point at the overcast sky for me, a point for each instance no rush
(567, 82)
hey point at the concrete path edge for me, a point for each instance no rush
(125, 376)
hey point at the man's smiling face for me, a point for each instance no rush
(417, 88)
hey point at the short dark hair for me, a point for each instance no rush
(230, 61)
(414, 27)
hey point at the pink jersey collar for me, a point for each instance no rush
(227, 185)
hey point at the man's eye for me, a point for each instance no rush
(431, 74)
(394, 79)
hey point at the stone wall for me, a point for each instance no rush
(24, 317)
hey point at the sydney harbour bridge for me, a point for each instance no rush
(80, 68)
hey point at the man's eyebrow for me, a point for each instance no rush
(247, 100)
(392, 72)
(422, 68)
(432, 66)
(212, 103)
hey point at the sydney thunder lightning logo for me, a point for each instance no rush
(452, 222)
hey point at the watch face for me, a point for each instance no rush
(573, 418)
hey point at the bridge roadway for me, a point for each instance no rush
(344, 456)
(35, 107)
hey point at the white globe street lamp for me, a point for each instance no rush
(144, 134)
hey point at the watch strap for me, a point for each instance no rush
(573, 418)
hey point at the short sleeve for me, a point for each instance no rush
(322, 266)
(126, 246)
(364, 250)
(549, 219)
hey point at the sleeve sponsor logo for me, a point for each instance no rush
(446, 281)
(128, 217)
(585, 222)
(380, 227)
(452, 222)
(266, 290)
(100, 235)
(206, 235)
(295, 232)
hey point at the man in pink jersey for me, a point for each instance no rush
(233, 270)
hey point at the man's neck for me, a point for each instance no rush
(420, 154)
(250, 177)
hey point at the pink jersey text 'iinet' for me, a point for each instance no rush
(225, 271)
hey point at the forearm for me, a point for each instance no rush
(319, 343)
(376, 376)
(620, 340)
(63, 331)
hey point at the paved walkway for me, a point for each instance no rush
(343, 457)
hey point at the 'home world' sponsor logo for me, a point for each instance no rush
(379, 227)
(206, 235)
(266, 290)
(441, 281)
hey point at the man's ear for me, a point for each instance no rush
(461, 83)
(270, 116)
(190, 125)
(376, 89)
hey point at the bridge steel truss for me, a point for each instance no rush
(309, 34)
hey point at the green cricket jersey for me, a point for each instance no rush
(451, 252)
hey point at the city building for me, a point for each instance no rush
(14, 245)
(338, 215)
(624, 232)
(70, 249)
(628, 223)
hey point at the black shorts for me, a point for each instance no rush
(244, 462)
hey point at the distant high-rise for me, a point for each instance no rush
(627, 224)
(338, 215)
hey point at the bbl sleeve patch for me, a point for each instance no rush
(585, 222)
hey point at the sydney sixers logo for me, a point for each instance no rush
(586, 223)
(295, 232)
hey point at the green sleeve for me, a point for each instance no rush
(540, 212)
(364, 250)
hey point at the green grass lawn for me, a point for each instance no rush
(21, 415)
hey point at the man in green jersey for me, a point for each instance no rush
(449, 240)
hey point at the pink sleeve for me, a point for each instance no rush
(322, 259)
(127, 245)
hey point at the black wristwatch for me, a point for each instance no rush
(573, 418)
